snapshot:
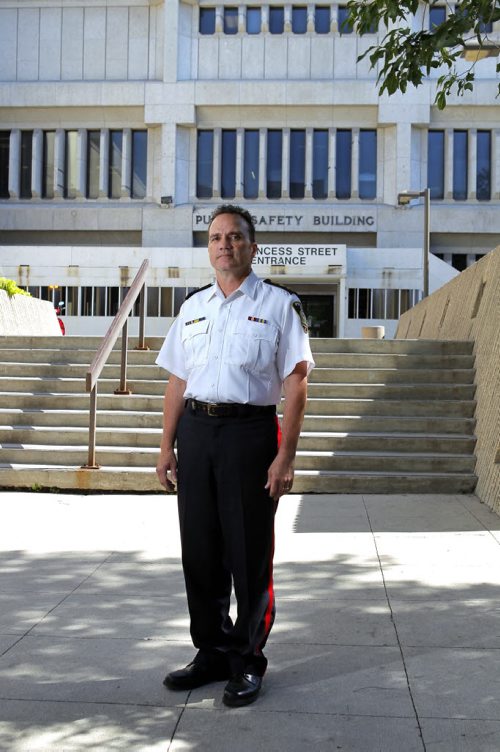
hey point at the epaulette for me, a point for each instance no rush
(198, 289)
(281, 287)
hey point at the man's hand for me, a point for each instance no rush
(166, 469)
(280, 477)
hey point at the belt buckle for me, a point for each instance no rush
(212, 410)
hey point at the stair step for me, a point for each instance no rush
(123, 479)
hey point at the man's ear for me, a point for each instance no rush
(255, 248)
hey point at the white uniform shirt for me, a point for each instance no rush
(239, 348)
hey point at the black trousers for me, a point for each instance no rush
(227, 534)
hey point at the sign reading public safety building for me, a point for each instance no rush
(308, 219)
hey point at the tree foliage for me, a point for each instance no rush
(409, 51)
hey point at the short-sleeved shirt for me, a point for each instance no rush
(240, 348)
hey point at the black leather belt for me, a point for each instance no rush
(228, 409)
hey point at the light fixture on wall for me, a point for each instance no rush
(404, 200)
(166, 200)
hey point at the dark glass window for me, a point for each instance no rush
(343, 151)
(297, 163)
(49, 138)
(228, 164)
(344, 26)
(320, 164)
(152, 301)
(299, 19)
(251, 164)
(322, 19)
(207, 20)
(139, 163)
(437, 16)
(483, 181)
(485, 27)
(93, 163)
(70, 165)
(254, 20)
(459, 261)
(4, 163)
(274, 163)
(276, 20)
(26, 155)
(364, 303)
(165, 301)
(113, 304)
(115, 164)
(205, 164)
(230, 20)
(435, 164)
(351, 308)
(460, 143)
(367, 164)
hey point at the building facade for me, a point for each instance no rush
(124, 122)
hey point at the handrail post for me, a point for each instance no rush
(142, 318)
(91, 463)
(122, 389)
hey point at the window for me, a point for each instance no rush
(207, 20)
(483, 179)
(251, 164)
(485, 27)
(70, 165)
(343, 25)
(367, 164)
(297, 163)
(93, 163)
(165, 301)
(86, 301)
(71, 302)
(364, 303)
(115, 163)
(276, 20)
(230, 20)
(459, 261)
(391, 297)
(152, 301)
(435, 164)
(460, 149)
(322, 19)
(437, 16)
(274, 163)
(320, 164)
(26, 156)
(139, 163)
(4, 163)
(49, 138)
(299, 19)
(343, 163)
(205, 164)
(228, 167)
(113, 301)
(378, 304)
(254, 20)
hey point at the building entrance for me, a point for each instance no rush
(320, 307)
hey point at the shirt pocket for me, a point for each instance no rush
(253, 346)
(195, 343)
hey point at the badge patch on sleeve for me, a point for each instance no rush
(298, 308)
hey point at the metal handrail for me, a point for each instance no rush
(119, 324)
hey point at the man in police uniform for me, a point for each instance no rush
(233, 348)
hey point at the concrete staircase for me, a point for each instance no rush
(383, 416)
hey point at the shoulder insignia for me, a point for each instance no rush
(297, 307)
(281, 287)
(198, 289)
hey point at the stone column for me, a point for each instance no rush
(81, 161)
(37, 164)
(59, 166)
(126, 187)
(355, 164)
(495, 163)
(309, 163)
(239, 162)
(216, 180)
(285, 164)
(448, 163)
(332, 154)
(263, 163)
(472, 163)
(104, 163)
(15, 163)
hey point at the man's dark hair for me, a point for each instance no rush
(233, 209)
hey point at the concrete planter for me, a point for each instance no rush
(23, 315)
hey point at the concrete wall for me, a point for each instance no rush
(468, 308)
(24, 315)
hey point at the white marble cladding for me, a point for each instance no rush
(86, 42)
(284, 56)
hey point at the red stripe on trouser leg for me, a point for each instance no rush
(269, 615)
(278, 431)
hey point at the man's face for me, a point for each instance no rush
(229, 245)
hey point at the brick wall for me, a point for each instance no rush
(468, 308)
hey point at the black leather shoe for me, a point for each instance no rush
(242, 689)
(195, 675)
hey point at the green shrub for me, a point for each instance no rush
(11, 288)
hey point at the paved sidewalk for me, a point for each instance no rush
(387, 636)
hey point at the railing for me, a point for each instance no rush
(119, 323)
